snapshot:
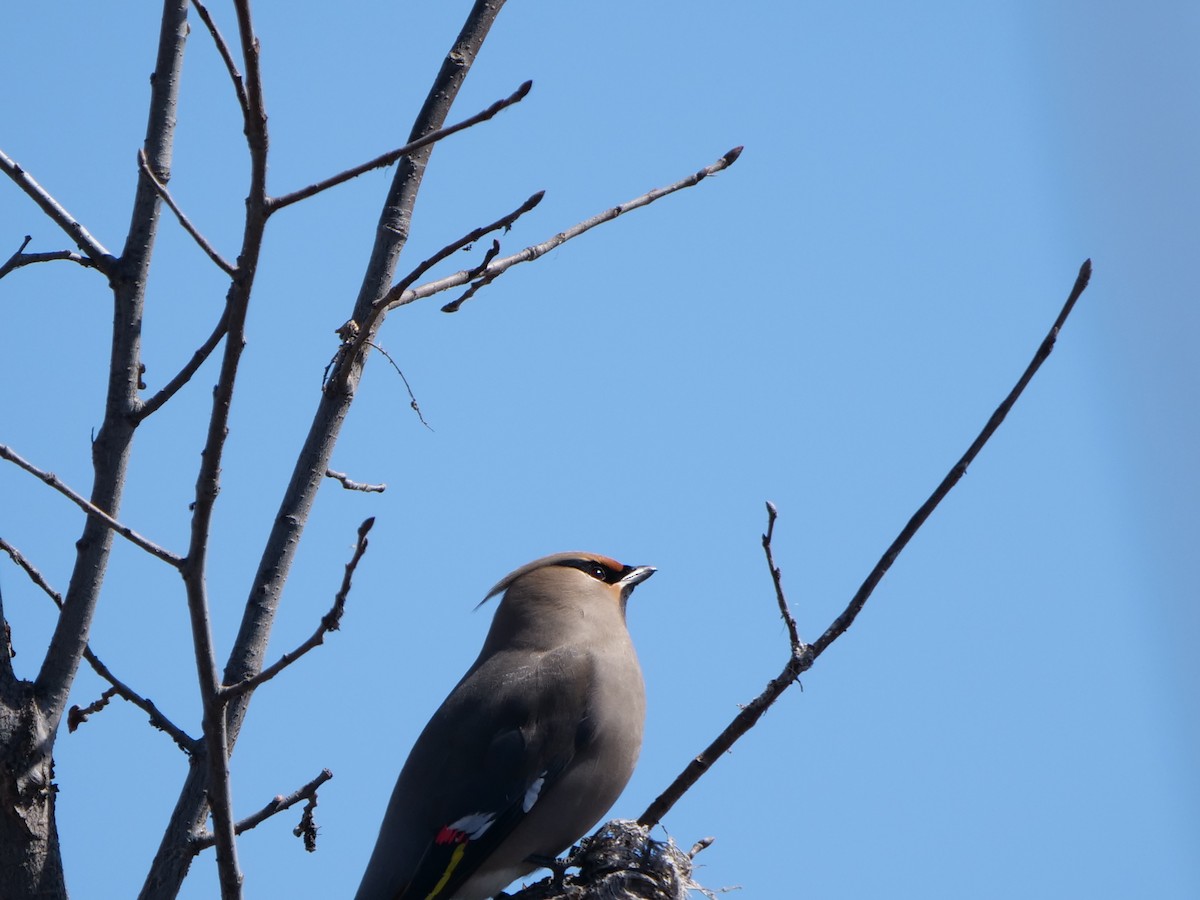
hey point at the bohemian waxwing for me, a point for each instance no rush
(530, 749)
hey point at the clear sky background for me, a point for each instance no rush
(827, 325)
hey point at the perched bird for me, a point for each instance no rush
(532, 746)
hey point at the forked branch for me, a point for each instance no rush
(82, 238)
(331, 621)
(277, 805)
(21, 258)
(184, 375)
(503, 223)
(799, 659)
(186, 743)
(498, 266)
(226, 55)
(803, 655)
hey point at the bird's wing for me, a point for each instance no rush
(539, 711)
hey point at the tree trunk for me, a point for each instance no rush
(30, 862)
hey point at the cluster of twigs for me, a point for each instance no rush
(225, 691)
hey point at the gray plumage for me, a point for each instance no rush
(532, 746)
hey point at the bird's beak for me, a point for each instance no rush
(636, 576)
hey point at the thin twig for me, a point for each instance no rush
(226, 56)
(533, 252)
(277, 805)
(476, 287)
(184, 375)
(331, 621)
(412, 398)
(21, 258)
(161, 189)
(386, 159)
(182, 739)
(803, 655)
(185, 742)
(83, 503)
(352, 485)
(481, 283)
(92, 248)
(777, 578)
(799, 660)
(29, 569)
(77, 715)
(505, 222)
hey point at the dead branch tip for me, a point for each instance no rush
(76, 715)
(351, 485)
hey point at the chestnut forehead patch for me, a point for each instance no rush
(602, 568)
(609, 563)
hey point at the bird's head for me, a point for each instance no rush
(572, 590)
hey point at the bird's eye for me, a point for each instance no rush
(598, 572)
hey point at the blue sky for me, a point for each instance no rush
(826, 325)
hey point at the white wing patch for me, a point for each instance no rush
(474, 825)
(532, 793)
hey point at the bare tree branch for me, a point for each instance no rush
(802, 655)
(92, 248)
(386, 159)
(184, 375)
(277, 805)
(186, 743)
(226, 56)
(312, 461)
(331, 621)
(844, 621)
(351, 485)
(158, 719)
(789, 620)
(161, 189)
(21, 258)
(504, 222)
(114, 440)
(533, 252)
(29, 569)
(92, 510)
(77, 715)
(217, 743)
(207, 782)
